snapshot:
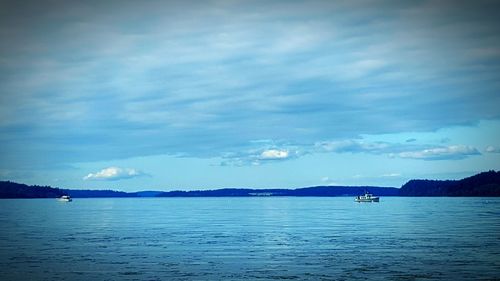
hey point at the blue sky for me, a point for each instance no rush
(174, 95)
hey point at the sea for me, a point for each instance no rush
(250, 238)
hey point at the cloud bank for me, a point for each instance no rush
(406, 150)
(441, 153)
(207, 78)
(403, 150)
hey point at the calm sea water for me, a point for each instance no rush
(276, 238)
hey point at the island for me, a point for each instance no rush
(482, 184)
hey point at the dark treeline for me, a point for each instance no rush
(80, 193)
(308, 191)
(483, 184)
(10, 189)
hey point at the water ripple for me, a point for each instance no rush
(250, 239)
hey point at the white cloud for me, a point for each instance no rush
(441, 153)
(113, 173)
(274, 154)
(492, 149)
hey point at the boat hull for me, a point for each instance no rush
(65, 199)
(367, 199)
(373, 199)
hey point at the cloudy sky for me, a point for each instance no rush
(165, 95)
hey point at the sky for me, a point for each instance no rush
(182, 95)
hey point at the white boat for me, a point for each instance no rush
(367, 198)
(65, 198)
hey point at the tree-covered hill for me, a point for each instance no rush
(306, 191)
(10, 189)
(482, 184)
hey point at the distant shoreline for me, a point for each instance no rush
(486, 184)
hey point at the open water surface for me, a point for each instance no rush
(268, 238)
